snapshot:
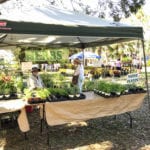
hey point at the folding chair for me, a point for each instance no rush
(9, 120)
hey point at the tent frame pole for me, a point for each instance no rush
(83, 49)
(146, 76)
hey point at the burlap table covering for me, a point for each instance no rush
(93, 106)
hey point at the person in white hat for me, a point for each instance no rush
(35, 80)
(79, 71)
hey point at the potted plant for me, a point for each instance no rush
(7, 93)
(89, 86)
(43, 93)
(107, 90)
(1, 89)
(27, 94)
(71, 92)
(77, 92)
(19, 86)
(61, 93)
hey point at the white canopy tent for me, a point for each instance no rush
(56, 28)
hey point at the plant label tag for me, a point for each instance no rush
(132, 78)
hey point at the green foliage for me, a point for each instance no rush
(67, 66)
(101, 85)
(126, 60)
(19, 84)
(118, 10)
(51, 79)
(97, 72)
(111, 87)
(1, 87)
(7, 85)
(58, 91)
(148, 63)
(28, 93)
(73, 90)
(41, 93)
(89, 85)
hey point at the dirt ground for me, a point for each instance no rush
(107, 133)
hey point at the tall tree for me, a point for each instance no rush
(2, 1)
(108, 8)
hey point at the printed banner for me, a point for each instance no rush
(46, 55)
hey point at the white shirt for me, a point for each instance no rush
(79, 71)
(35, 82)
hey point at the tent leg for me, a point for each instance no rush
(83, 57)
(83, 47)
(146, 77)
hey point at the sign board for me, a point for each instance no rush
(46, 55)
(132, 78)
(3, 26)
(26, 66)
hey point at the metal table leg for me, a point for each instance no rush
(43, 118)
(131, 119)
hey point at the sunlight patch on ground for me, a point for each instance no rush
(2, 143)
(106, 145)
(146, 147)
(81, 123)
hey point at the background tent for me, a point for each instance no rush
(56, 28)
(85, 55)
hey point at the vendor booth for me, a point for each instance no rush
(59, 28)
(50, 27)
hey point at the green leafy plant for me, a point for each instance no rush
(28, 93)
(73, 90)
(19, 84)
(89, 86)
(40, 93)
(1, 87)
(108, 88)
(58, 92)
(126, 59)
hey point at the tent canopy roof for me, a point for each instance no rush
(56, 28)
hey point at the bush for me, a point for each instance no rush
(50, 79)
(89, 85)
(148, 63)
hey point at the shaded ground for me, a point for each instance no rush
(99, 134)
